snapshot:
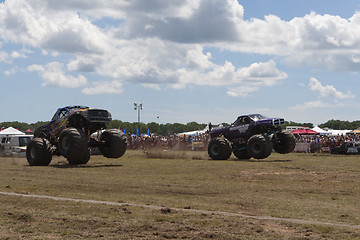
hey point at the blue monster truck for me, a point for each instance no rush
(250, 136)
(71, 132)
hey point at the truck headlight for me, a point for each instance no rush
(84, 113)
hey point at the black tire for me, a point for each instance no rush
(73, 144)
(259, 146)
(241, 154)
(38, 152)
(283, 142)
(219, 149)
(115, 143)
(83, 159)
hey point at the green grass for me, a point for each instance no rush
(318, 187)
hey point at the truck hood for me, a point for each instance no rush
(271, 121)
(219, 129)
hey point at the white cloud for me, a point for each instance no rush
(11, 71)
(264, 73)
(257, 74)
(312, 105)
(328, 90)
(20, 54)
(152, 86)
(4, 57)
(54, 76)
(195, 58)
(105, 87)
(243, 91)
(243, 81)
(156, 63)
(324, 40)
(161, 43)
(205, 22)
(34, 24)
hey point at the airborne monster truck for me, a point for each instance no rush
(71, 132)
(249, 136)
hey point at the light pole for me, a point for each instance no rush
(138, 107)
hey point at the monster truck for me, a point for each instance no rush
(250, 136)
(71, 132)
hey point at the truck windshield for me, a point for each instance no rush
(257, 117)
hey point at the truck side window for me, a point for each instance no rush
(242, 121)
(62, 113)
(246, 120)
(237, 122)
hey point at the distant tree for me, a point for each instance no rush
(115, 124)
(193, 126)
(340, 125)
(18, 125)
(154, 127)
(34, 126)
(176, 128)
(171, 128)
(290, 123)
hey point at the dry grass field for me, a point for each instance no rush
(322, 189)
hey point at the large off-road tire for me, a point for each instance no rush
(38, 152)
(219, 149)
(83, 159)
(241, 154)
(73, 144)
(259, 146)
(115, 143)
(283, 142)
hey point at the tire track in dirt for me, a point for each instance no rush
(228, 214)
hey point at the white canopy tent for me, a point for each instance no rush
(321, 131)
(11, 131)
(331, 132)
(339, 132)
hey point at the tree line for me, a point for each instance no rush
(160, 129)
(171, 128)
(331, 124)
(341, 125)
(21, 125)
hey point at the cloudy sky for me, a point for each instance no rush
(185, 60)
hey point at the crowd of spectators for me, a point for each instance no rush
(172, 142)
(304, 143)
(321, 143)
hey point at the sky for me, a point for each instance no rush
(185, 60)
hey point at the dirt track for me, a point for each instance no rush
(228, 214)
(182, 197)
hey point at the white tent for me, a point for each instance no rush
(194, 133)
(339, 132)
(11, 131)
(320, 131)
